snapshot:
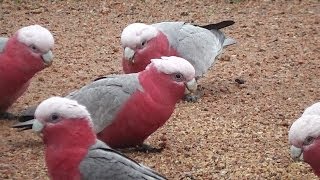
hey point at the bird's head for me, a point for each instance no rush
(176, 70)
(135, 37)
(304, 135)
(61, 119)
(38, 40)
(141, 43)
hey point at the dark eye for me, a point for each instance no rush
(178, 77)
(54, 118)
(309, 140)
(143, 43)
(33, 47)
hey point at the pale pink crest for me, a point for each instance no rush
(134, 34)
(173, 64)
(63, 107)
(306, 125)
(36, 35)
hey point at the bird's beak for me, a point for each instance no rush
(191, 86)
(296, 153)
(47, 58)
(3, 42)
(129, 54)
(37, 126)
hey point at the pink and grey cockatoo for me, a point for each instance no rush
(24, 54)
(127, 108)
(200, 45)
(304, 136)
(72, 150)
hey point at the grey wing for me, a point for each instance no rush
(3, 42)
(102, 162)
(198, 45)
(105, 97)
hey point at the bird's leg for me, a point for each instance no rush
(8, 116)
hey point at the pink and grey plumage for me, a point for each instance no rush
(127, 108)
(199, 45)
(24, 54)
(71, 149)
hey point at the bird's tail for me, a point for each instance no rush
(228, 41)
(214, 28)
(27, 114)
(24, 125)
(26, 119)
(218, 25)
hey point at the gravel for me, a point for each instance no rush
(238, 130)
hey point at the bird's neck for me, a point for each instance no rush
(66, 145)
(160, 87)
(18, 59)
(311, 155)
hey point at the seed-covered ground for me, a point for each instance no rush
(236, 131)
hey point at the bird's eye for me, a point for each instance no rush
(178, 77)
(309, 140)
(54, 118)
(143, 43)
(33, 47)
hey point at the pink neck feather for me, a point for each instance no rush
(311, 155)
(66, 144)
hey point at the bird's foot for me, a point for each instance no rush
(194, 96)
(149, 149)
(8, 116)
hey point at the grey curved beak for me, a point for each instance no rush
(191, 86)
(129, 54)
(296, 153)
(3, 42)
(47, 58)
(37, 126)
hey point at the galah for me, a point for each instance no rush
(24, 54)
(199, 45)
(127, 108)
(72, 150)
(304, 136)
(296, 153)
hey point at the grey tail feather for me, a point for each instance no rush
(228, 41)
(27, 114)
(218, 25)
(24, 125)
(102, 77)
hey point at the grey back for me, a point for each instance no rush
(102, 163)
(105, 97)
(197, 45)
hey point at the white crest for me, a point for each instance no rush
(307, 125)
(64, 107)
(173, 64)
(36, 35)
(312, 110)
(134, 34)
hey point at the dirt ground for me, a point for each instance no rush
(234, 132)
